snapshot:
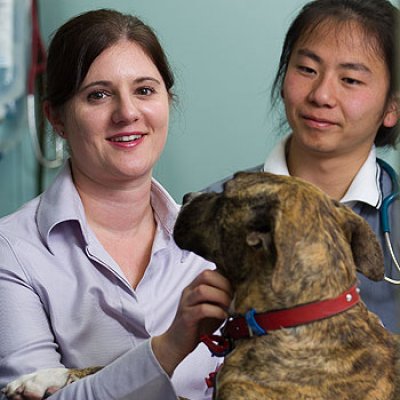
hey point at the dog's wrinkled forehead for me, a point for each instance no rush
(252, 182)
(273, 195)
(280, 217)
(247, 189)
(249, 184)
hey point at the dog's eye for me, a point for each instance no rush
(261, 226)
(262, 218)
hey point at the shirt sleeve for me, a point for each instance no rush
(27, 344)
(135, 375)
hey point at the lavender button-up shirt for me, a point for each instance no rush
(65, 302)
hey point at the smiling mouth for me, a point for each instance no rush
(127, 138)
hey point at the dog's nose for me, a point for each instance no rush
(188, 197)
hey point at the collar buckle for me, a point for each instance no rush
(254, 328)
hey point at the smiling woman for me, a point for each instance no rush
(90, 267)
(116, 125)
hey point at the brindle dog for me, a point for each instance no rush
(282, 242)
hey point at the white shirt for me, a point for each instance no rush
(358, 190)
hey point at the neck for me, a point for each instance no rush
(121, 217)
(332, 174)
(115, 209)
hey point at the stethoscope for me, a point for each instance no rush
(384, 215)
(37, 67)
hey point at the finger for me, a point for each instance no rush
(210, 287)
(208, 311)
(205, 294)
(215, 279)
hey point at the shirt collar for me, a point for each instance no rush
(276, 161)
(165, 212)
(365, 185)
(52, 212)
(61, 202)
(164, 206)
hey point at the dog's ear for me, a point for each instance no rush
(282, 242)
(260, 226)
(367, 252)
(365, 247)
(256, 239)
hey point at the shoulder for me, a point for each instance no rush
(26, 236)
(19, 241)
(20, 224)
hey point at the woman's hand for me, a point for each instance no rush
(202, 309)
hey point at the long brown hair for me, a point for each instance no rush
(80, 40)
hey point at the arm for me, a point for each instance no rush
(27, 344)
(135, 374)
(128, 377)
(202, 309)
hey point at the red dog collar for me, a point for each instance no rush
(242, 327)
(257, 324)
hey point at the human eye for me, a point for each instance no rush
(97, 95)
(145, 91)
(352, 81)
(304, 69)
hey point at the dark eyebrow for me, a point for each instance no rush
(353, 66)
(95, 83)
(309, 54)
(108, 83)
(147, 78)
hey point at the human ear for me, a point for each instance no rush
(55, 119)
(392, 112)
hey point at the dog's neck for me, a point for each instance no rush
(255, 323)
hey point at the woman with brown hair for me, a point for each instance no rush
(89, 272)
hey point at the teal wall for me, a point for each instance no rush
(224, 54)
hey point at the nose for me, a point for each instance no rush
(126, 109)
(323, 92)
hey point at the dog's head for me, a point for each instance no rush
(281, 234)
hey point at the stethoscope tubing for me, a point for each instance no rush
(384, 215)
